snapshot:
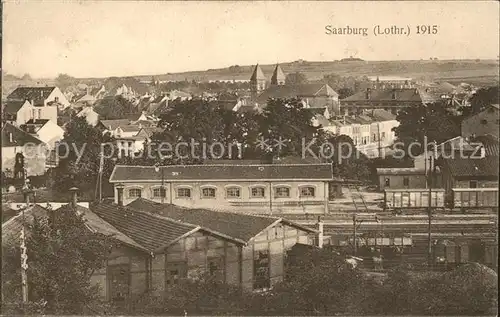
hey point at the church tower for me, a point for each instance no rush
(278, 78)
(257, 81)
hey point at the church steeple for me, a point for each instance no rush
(278, 77)
(258, 80)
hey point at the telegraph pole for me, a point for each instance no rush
(354, 242)
(429, 214)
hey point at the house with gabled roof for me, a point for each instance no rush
(482, 123)
(16, 143)
(179, 243)
(40, 96)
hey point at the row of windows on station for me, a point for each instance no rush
(231, 192)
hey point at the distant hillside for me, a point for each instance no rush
(481, 72)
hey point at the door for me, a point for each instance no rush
(119, 282)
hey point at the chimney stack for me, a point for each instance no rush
(119, 191)
(74, 196)
(320, 233)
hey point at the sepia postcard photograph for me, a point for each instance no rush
(250, 158)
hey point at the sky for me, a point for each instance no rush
(122, 38)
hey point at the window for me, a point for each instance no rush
(258, 192)
(175, 272)
(382, 137)
(183, 192)
(307, 191)
(483, 121)
(281, 192)
(208, 192)
(406, 181)
(261, 270)
(387, 182)
(159, 192)
(134, 193)
(56, 99)
(374, 137)
(33, 114)
(233, 192)
(473, 184)
(215, 267)
(119, 277)
(39, 113)
(497, 121)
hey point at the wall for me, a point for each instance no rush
(47, 112)
(24, 114)
(56, 93)
(396, 181)
(474, 126)
(51, 133)
(480, 184)
(245, 201)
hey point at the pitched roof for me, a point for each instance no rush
(13, 106)
(490, 144)
(11, 229)
(262, 172)
(296, 91)
(278, 75)
(151, 231)
(113, 124)
(99, 225)
(130, 128)
(37, 94)
(233, 225)
(464, 167)
(257, 74)
(381, 115)
(401, 94)
(19, 137)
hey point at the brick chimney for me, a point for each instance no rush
(119, 192)
(74, 196)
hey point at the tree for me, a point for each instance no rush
(27, 77)
(296, 78)
(79, 164)
(318, 282)
(63, 81)
(432, 121)
(482, 98)
(62, 256)
(116, 107)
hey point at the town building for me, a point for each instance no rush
(486, 122)
(401, 178)
(278, 77)
(256, 188)
(18, 112)
(372, 131)
(257, 81)
(90, 116)
(163, 245)
(386, 82)
(473, 182)
(45, 130)
(40, 97)
(21, 150)
(392, 99)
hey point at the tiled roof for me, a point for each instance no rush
(130, 128)
(381, 115)
(19, 137)
(464, 167)
(37, 94)
(13, 106)
(152, 232)
(401, 94)
(115, 123)
(7, 213)
(11, 229)
(99, 225)
(490, 144)
(234, 225)
(296, 91)
(262, 172)
(257, 74)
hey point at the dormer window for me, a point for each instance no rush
(282, 192)
(307, 191)
(233, 192)
(208, 192)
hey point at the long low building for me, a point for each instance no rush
(270, 188)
